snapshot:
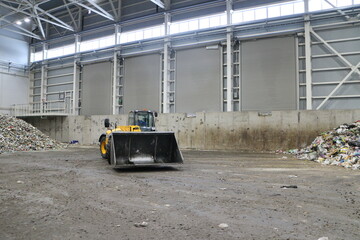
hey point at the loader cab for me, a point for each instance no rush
(144, 119)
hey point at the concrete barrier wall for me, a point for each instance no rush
(214, 131)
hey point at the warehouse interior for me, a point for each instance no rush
(256, 108)
(66, 61)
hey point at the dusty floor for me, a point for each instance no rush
(74, 194)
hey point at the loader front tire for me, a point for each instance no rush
(104, 149)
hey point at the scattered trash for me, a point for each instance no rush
(292, 176)
(167, 205)
(143, 224)
(339, 147)
(74, 142)
(18, 135)
(323, 238)
(289, 186)
(223, 225)
(20, 182)
(223, 188)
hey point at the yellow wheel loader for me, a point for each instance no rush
(139, 143)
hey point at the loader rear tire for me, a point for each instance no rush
(104, 149)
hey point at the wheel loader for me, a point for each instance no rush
(138, 143)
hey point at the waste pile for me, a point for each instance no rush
(340, 147)
(18, 135)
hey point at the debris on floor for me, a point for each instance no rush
(340, 147)
(289, 186)
(223, 225)
(142, 224)
(18, 135)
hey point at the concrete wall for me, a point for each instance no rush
(217, 130)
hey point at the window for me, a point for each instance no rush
(89, 45)
(299, 7)
(69, 49)
(287, 9)
(204, 23)
(344, 3)
(249, 15)
(237, 17)
(269, 11)
(60, 51)
(274, 11)
(142, 34)
(318, 5)
(107, 41)
(198, 23)
(55, 52)
(37, 56)
(193, 25)
(260, 13)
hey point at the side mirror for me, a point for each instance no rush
(155, 114)
(106, 123)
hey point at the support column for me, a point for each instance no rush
(31, 77)
(165, 98)
(229, 67)
(75, 97)
(308, 66)
(43, 79)
(115, 70)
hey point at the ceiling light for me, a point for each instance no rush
(27, 20)
(89, 11)
(18, 22)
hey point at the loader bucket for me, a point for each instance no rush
(143, 148)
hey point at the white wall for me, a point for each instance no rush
(13, 50)
(14, 81)
(14, 89)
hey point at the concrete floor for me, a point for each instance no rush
(74, 194)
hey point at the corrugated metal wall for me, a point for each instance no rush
(268, 74)
(96, 89)
(198, 80)
(328, 69)
(142, 82)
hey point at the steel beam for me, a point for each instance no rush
(336, 52)
(114, 10)
(101, 9)
(229, 71)
(71, 15)
(64, 25)
(308, 64)
(75, 92)
(159, 3)
(28, 33)
(40, 25)
(347, 17)
(34, 16)
(338, 86)
(92, 9)
(115, 71)
(165, 102)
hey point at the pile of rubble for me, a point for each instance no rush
(18, 135)
(340, 147)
